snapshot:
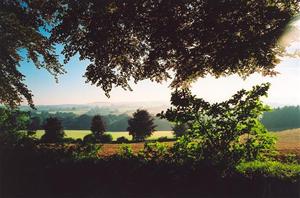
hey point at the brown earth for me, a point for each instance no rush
(288, 141)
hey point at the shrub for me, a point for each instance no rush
(273, 169)
(154, 151)
(106, 138)
(162, 139)
(88, 151)
(125, 151)
(78, 141)
(122, 140)
(68, 140)
(90, 139)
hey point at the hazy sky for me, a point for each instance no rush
(72, 88)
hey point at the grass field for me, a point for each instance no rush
(75, 134)
(288, 141)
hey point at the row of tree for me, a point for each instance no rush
(278, 119)
(140, 126)
(71, 121)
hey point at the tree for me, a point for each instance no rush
(140, 40)
(34, 124)
(97, 126)
(141, 125)
(222, 134)
(21, 36)
(12, 125)
(53, 131)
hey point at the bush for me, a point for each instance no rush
(154, 151)
(68, 140)
(90, 139)
(162, 139)
(88, 151)
(122, 140)
(106, 138)
(125, 151)
(78, 141)
(273, 169)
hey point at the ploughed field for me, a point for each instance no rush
(288, 141)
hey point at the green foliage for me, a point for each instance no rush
(53, 131)
(282, 118)
(154, 151)
(162, 139)
(289, 158)
(269, 169)
(125, 151)
(106, 138)
(141, 125)
(21, 27)
(122, 140)
(149, 39)
(211, 37)
(222, 134)
(97, 126)
(180, 129)
(89, 139)
(13, 125)
(86, 151)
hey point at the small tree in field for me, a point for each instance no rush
(53, 131)
(97, 126)
(141, 125)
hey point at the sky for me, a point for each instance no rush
(72, 89)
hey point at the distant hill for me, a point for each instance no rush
(116, 114)
(102, 108)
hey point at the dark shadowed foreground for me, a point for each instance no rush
(54, 171)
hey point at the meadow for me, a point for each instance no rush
(288, 141)
(75, 134)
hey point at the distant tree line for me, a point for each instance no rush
(278, 119)
(71, 121)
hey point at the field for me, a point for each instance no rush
(288, 141)
(75, 134)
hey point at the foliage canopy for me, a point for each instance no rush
(21, 27)
(148, 39)
(137, 40)
(221, 134)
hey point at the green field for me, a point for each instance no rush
(75, 134)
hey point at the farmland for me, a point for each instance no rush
(288, 141)
(75, 134)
